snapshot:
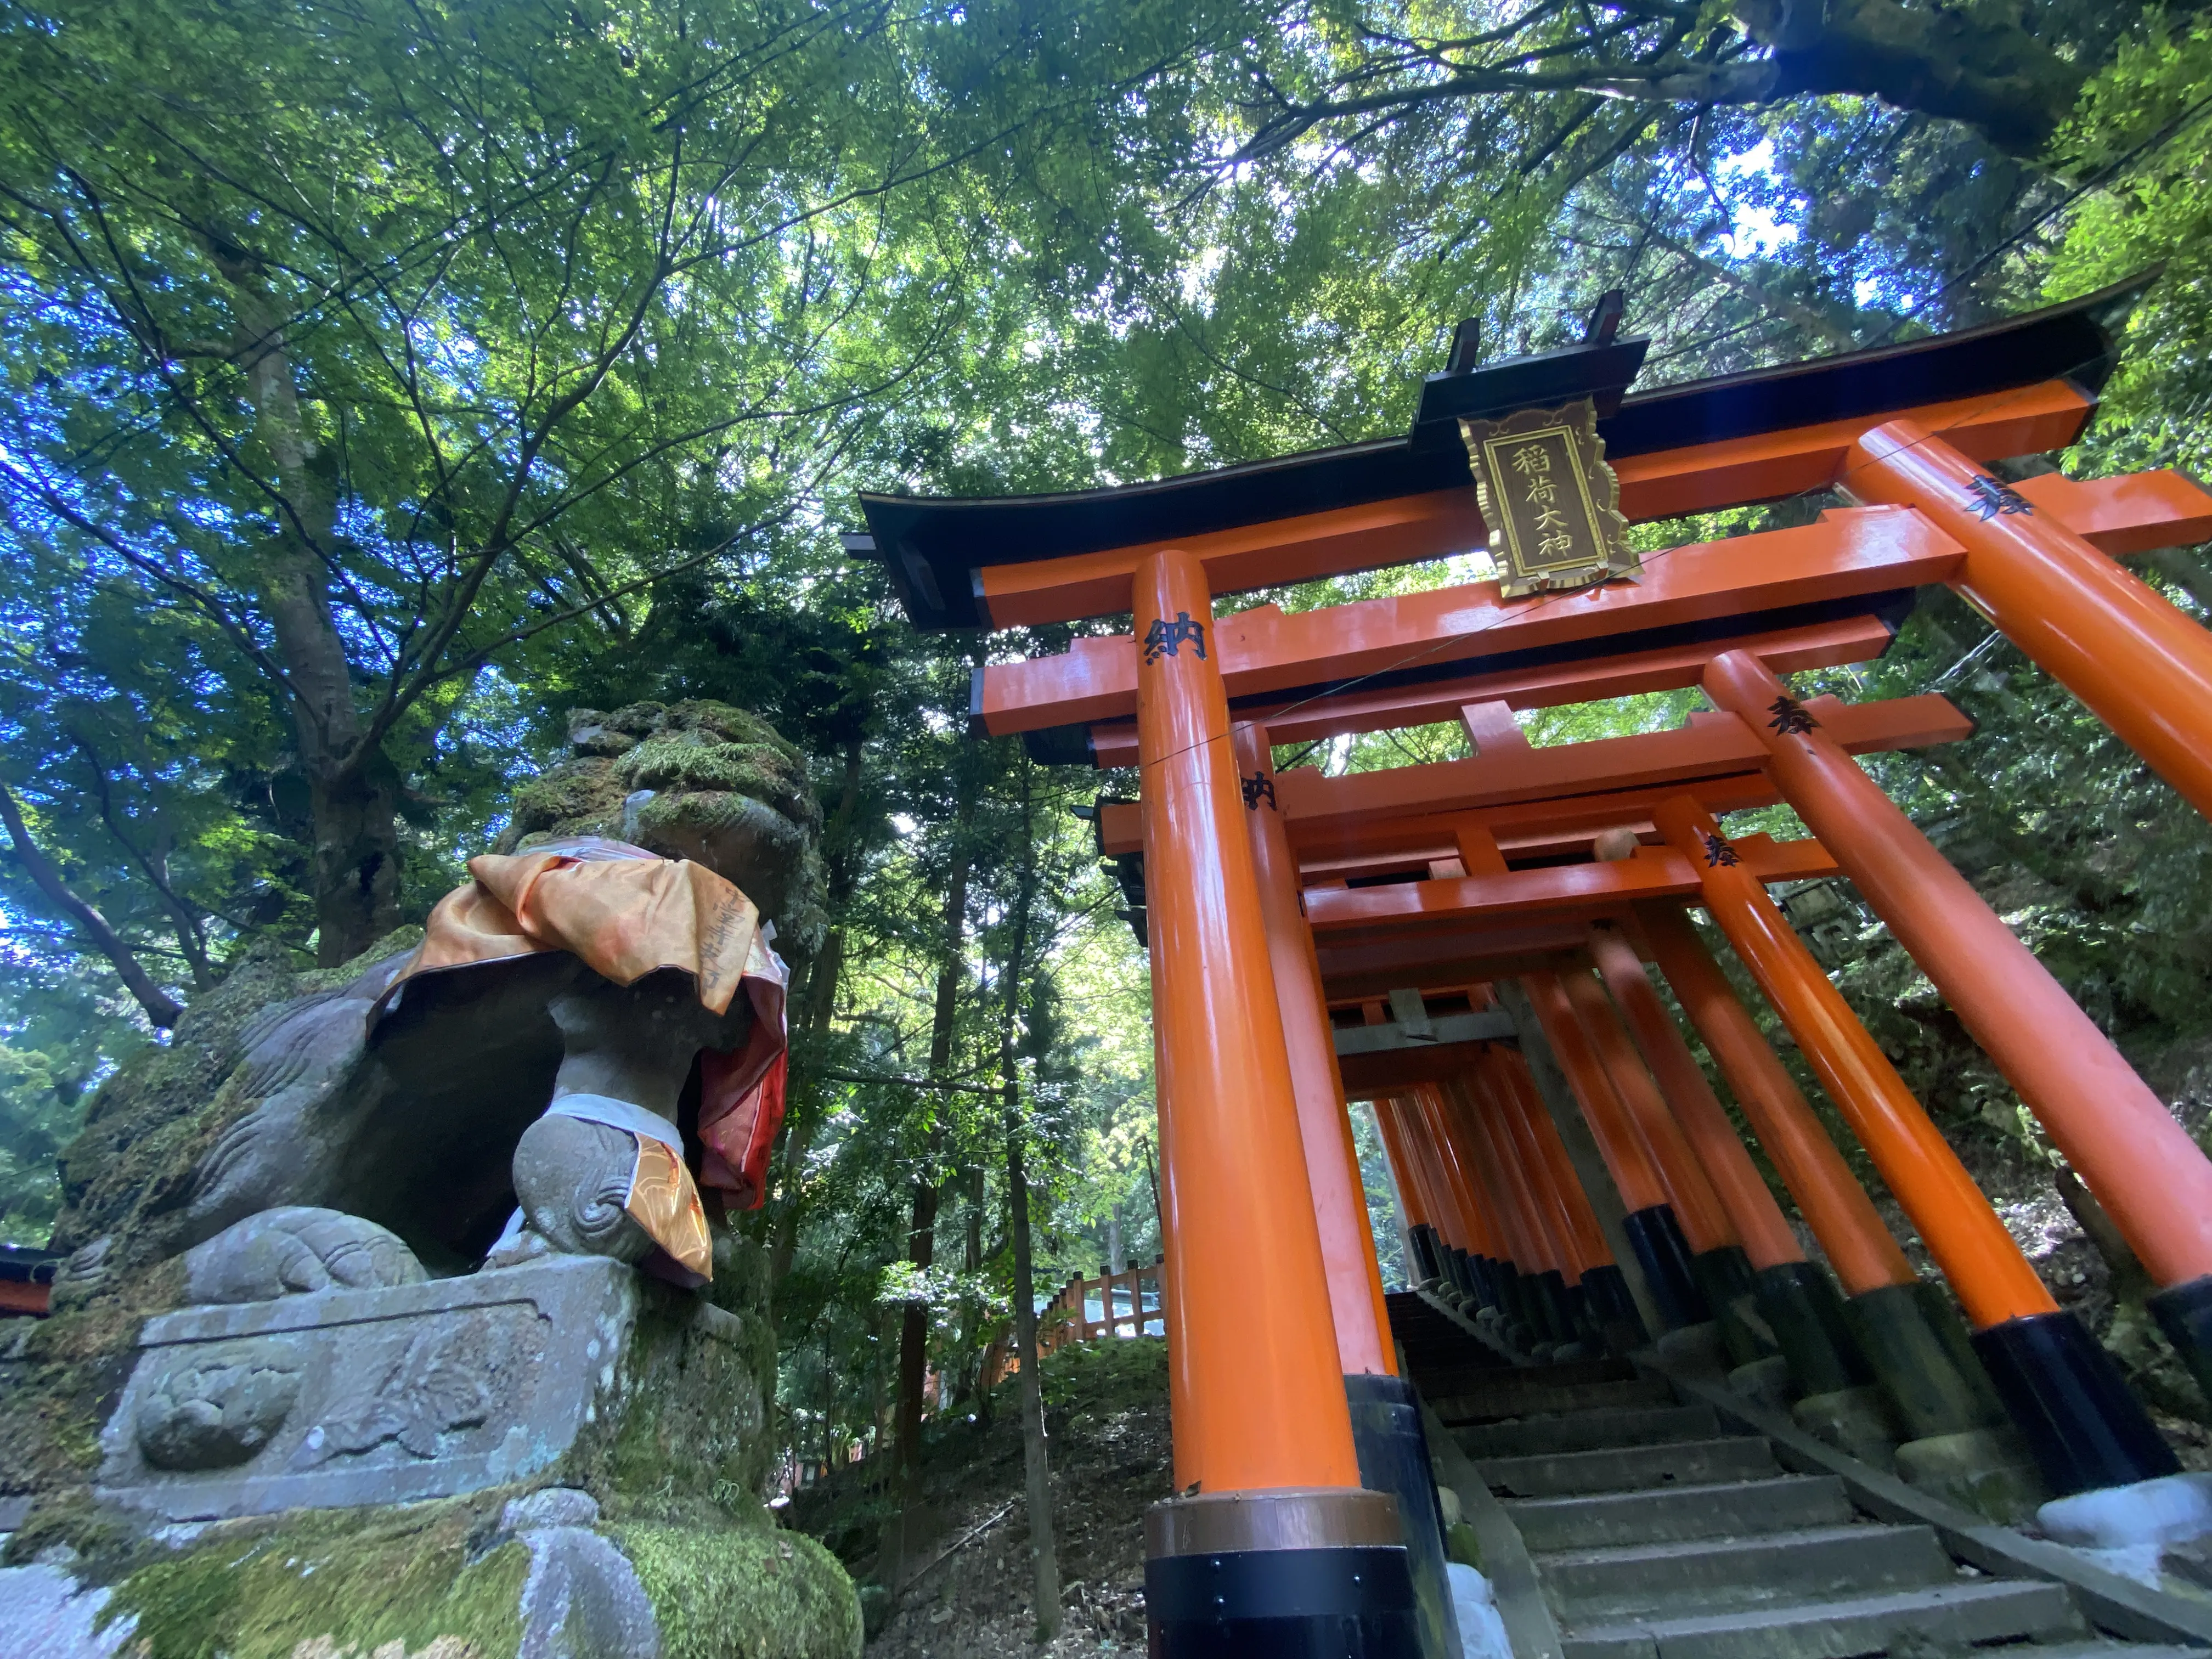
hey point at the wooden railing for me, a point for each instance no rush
(1132, 1303)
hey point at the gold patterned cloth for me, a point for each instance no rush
(663, 1201)
(627, 913)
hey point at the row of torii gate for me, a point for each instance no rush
(1470, 944)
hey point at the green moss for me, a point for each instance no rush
(150, 1120)
(261, 1589)
(66, 1373)
(1462, 1545)
(580, 791)
(689, 1439)
(397, 942)
(761, 1594)
(67, 1520)
(728, 724)
(738, 768)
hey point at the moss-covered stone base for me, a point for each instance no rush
(445, 1580)
(333, 1582)
(756, 1594)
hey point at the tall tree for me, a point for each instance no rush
(922, 1227)
(384, 339)
(1036, 1466)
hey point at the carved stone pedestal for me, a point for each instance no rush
(370, 1396)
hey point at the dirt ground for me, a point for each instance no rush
(1106, 1417)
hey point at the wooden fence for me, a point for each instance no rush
(1132, 1303)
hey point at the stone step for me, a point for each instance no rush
(1717, 1574)
(1632, 1469)
(1638, 1426)
(1724, 1509)
(1479, 1374)
(2103, 1648)
(1955, 1614)
(1519, 1393)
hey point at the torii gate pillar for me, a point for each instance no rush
(2061, 1391)
(1273, 1525)
(1387, 1436)
(2139, 1161)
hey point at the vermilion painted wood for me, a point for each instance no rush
(1478, 1214)
(1496, 1178)
(2118, 1135)
(1848, 554)
(2138, 664)
(1389, 1071)
(1419, 1207)
(1558, 893)
(1561, 827)
(1398, 530)
(1993, 1281)
(1852, 1234)
(1766, 1235)
(1634, 1175)
(1786, 650)
(1340, 1200)
(1770, 465)
(2133, 512)
(1257, 1398)
(1704, 1223)
(1509, 1072)
(2120, 516)
(1516, 1146)
(1411, 806)
(1319, 810)
(1699, 478)
(1434, 961)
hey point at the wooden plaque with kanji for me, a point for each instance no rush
(1550, 502)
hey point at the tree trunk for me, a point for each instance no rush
(1037, 1469)
(352, 790)
(968, 1384)
(1044, 1557)
(840, 851)
(1981, 66)
(914, 1345)
(921, 1235)
(356, 862)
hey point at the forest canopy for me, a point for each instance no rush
(385, 380)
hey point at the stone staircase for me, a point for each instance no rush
(1655, 1533)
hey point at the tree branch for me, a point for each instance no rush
(160, 1008)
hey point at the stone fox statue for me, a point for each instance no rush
(636, 995)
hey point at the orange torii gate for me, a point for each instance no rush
(1290, 1427)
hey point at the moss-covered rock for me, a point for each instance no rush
(762, 1594)
(354, 1579)
(677, 1453)
(60, 1378)
(686, 1436)
(126, 1178)
(696, 779)
(448, 1578)
(132, 1165)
